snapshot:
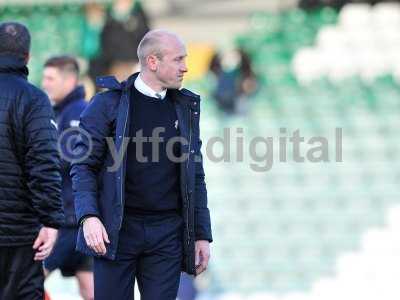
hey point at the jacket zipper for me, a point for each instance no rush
(187, 172)
(123, 136)
(187, 192)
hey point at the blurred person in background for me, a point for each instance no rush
(144, 219)
(313, 4)
(337, 4)
(30, 181)
(61, 83)
(95, 16)
(235, 81)
(125, 25)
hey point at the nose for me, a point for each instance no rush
(184, 68)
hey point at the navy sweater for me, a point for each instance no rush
(152, 187)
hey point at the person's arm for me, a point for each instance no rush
(42, 167)
(91, 144)
(202, 213)
(94, 127)
(203, 235)
(41, 161)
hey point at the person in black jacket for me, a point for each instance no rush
(125, 25)
(142, 206)
(30, 181)
(61, 83)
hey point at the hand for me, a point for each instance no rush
(44, 242)
(95, 235)
(202, 255)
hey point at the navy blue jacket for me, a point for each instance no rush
(30, 181)
(100, 192)
(67, 115)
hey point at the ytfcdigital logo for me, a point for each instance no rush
(76, 145)
(66, 145)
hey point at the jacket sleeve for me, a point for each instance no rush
(202, 213)
(42, 162)
(94, 127)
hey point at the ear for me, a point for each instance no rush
(72, 81)
(152, 62)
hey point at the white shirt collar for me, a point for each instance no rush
(142, 87)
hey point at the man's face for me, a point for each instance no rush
(172, 66)
(56, 84)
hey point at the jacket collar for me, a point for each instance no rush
(110, 82)
(77, 94)
(10, 64)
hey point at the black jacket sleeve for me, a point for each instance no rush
(202, 213)
(42, 162)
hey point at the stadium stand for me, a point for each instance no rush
(282, 231)
(56, 29)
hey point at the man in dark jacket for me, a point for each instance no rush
(61, 83)
(143, 205)
(30, 181)
(125, 25)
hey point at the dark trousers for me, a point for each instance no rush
(150, 250)
(21, 278)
